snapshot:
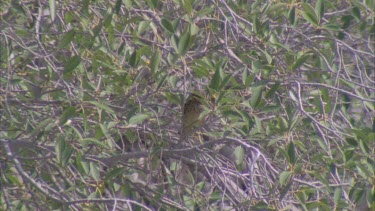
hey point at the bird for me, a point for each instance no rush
(192, 110)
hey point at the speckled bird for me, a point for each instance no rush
(190, 118)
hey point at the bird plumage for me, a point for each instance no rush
(193, 108)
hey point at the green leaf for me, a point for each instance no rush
(322, 144)
(284, 177)
(143, 25)
(128, 3)
(319, 9)
(71, 64)
(277, 8)
(370, 163)
(356, 13)
(268, 56)
(138, 118)
(217, 78)
(309, 14)
(247, 119)
(81, 164)
(297, 168)
(256, 96)
(134, 59)
(94, 171)
(292, 16)
(357, 192)
(346, 21)
(205, 11)
(89, 141)
(161, 81)
(104, 130)
(155, 61)
(174, 41)
(348, 154)
(239, 153)
(332, 27)
(261, 205)
(77, 132)
(291, 153)
(152, 3)
(184, 42)
(301, 59)
(114, 173)
(321, 205)
(225, 81)
(98, 132)
(194, 29)
(256, 25)
(187, 6)
(63, 151)
(364, 147)
(370, 4)
(167, 25)
(282, 123)
(44, 126)
(270, 94)
(52, 9)
(108, 20)
(301, 196)
(256, 66)
(337, 195)
(245, 76)
(15, 5)
(102, 106)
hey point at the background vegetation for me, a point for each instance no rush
(92, 95)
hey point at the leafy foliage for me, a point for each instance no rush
(92, 95)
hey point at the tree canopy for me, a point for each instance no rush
(92, 96)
